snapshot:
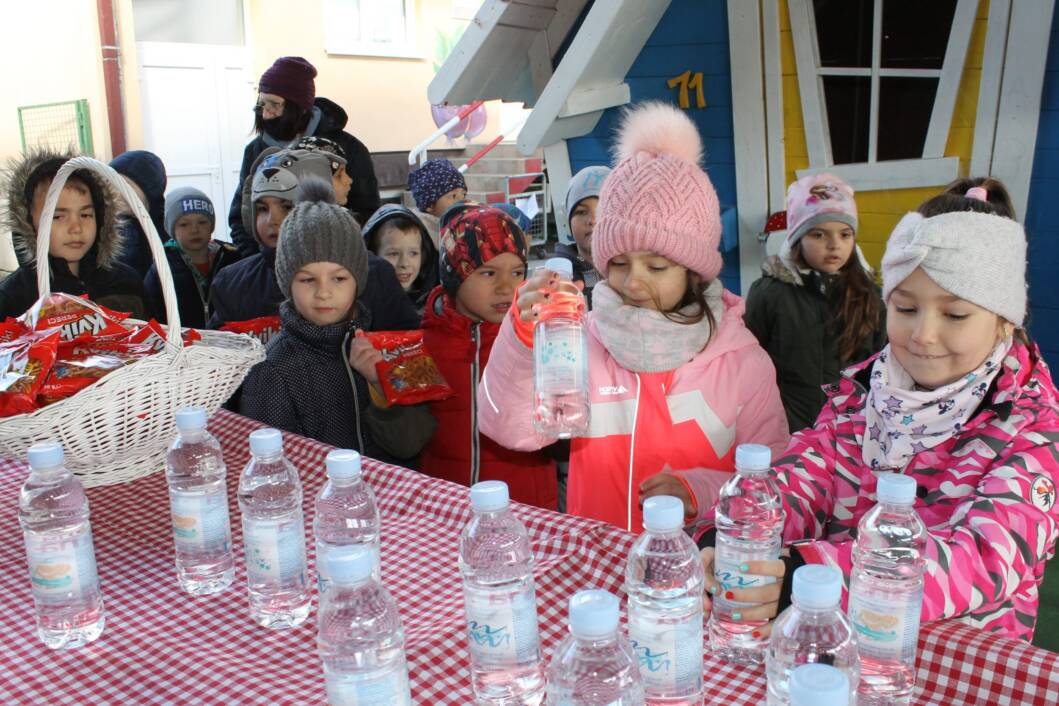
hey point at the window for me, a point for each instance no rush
(370, 27)
(878, 82)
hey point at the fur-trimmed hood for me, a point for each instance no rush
(16, 217)
(777, 269)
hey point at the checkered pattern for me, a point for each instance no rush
(161, 646)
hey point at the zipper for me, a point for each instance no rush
(632, 452)
(475, 450)
(356, 399)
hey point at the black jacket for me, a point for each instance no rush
(583, 272)
(307, 386)
(363, 194)
(191, 289)
(792, 317)
(428, 270)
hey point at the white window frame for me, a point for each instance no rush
(933, 168)
(335, 42)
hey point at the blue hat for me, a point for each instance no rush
(183, 201)
(147, 171)
(433, 180)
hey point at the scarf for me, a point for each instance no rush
(901, 421)
(644, 340)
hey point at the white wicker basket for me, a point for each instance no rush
(118, 429)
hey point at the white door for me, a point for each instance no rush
(198, 104)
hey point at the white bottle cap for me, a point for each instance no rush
(489, 496)
(560, 266)
(45, 454)
(190, 419)
(753, 457)
(351, 563)
(663, 513)
(896, 489)
(817, 586)
(593, 613)
(343, 463)
(818, 685)
(265, 441)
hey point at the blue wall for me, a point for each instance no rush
(692, 35)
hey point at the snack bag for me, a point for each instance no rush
(407, 372)
(74, 316)
(262, 328)
(153, 334)
(81, 362)
(24, 366)
(10, 329)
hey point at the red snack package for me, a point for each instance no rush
(24, 366)
(154, 335)
(10, 329)
(74, 316)
(407, 372)
(262, 328)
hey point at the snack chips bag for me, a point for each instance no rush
(74, 316)
(262, 328)
(24, 366)
(407, 372)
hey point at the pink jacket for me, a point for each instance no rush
(689, 419)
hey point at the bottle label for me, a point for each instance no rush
(501, 627)
(275, 549)
(386, 689)
(729, 555)
(63, 567)
(670, 654)
(200, 521)
(561, 359)
(887, 627)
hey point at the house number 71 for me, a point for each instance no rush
(688, 81)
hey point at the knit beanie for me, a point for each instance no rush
(319, 230)
(279, 174)
(978, 257)
(433, 180)
(148, 172)
(658, 198)
(327, 147)
(184, 201)
(816, 199)
(474, 237)
(584, 184)
(290, 77)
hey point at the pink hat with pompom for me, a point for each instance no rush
(658, 198)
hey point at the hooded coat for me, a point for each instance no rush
(428, 270)
(148, 172)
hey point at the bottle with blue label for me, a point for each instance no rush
(53, 512)
(346, 513)
(664, 581)
(496, 562)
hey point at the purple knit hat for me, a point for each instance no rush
(658, 198)
(816, 199)
(290, 77)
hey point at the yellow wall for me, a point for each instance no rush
(879, 211)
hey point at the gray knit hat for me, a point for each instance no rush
(319, 230)
(184, 201)
(584, 184)
(278, 174)
(978, 257)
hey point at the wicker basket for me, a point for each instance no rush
(118, 429)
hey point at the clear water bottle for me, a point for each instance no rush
(812, 630)
(198, 504)
(53, 512)
(345, 512)
(359, 633)
(560, 359)
(594, 665)
(270, 498)
(886, 592)
(496, 561)
(749, 520)
(819, 685)
(664, 581)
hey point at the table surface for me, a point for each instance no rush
(161, 646)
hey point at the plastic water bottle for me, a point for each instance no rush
(198, 503)
(345, 512)
(53, 512)
(749, 521)
(886, 591)
(498, 591)
(594, 665)
(664, 581)
(359, 633)
(819, 685)
(270, 497)
(560, 359)
(812, 630)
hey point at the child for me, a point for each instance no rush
(397, 236)
(675, 380)
(84, 246)
(988, 195)
(816, 309)
(319, 378)
(483, 261)
(194, 257)
(435, 186)
(340, 179)
(959, 400)
(582, 199)
(145, 173)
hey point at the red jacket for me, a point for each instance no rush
(458, 452)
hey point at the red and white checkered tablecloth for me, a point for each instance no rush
(161, 646)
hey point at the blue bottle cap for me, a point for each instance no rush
(593, 613)
(343, 463)
(266, 441)
(45, 454)
(818, 685)
(817, 586)
(560, 266)
(351, 563)
(896, 489)
(190, 419)
(753, 457)
(663, 513)
(489, 496)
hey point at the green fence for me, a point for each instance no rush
(56, 125)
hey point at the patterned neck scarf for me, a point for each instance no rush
(901, 421)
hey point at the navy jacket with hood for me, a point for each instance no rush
(192, 289)
(428, 270)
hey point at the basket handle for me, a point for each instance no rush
(111, 177)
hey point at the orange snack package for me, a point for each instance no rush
(24, 366)
(407, 372)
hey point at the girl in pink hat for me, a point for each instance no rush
(676, 381)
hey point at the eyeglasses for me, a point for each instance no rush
(273, 106)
